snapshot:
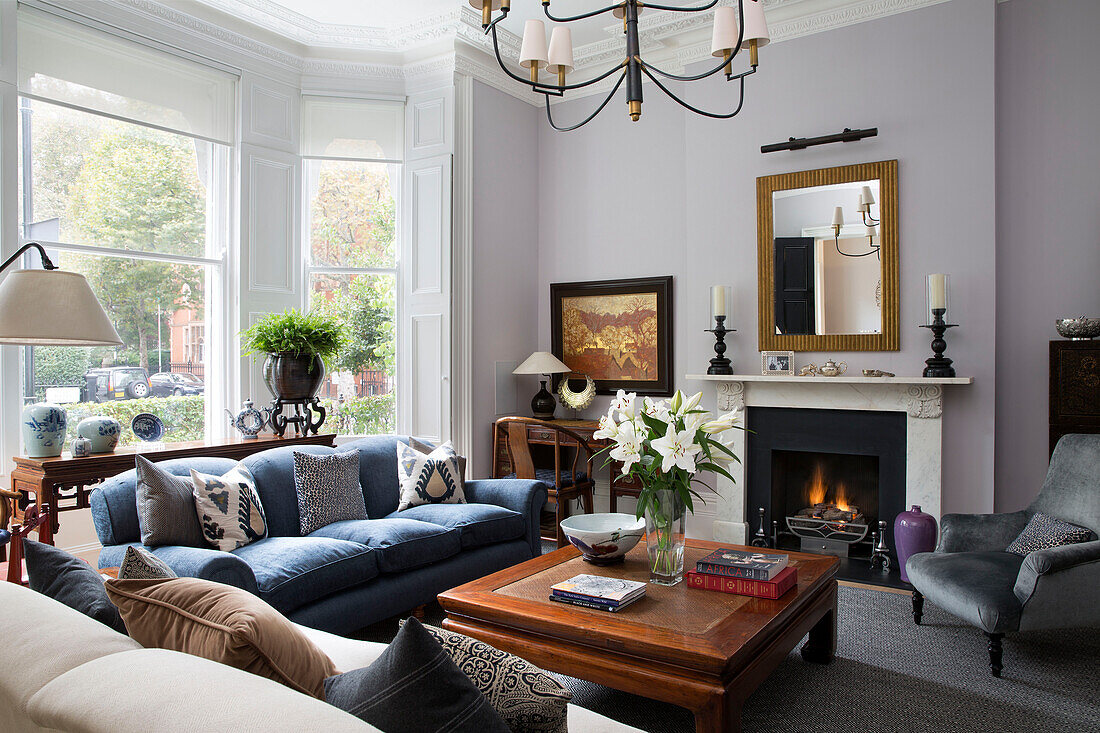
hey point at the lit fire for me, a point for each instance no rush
(819, 488)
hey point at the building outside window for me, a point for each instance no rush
(352, 163)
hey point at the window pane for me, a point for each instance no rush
(352, 213)
(155, 308)
(103, 182)
(358, 392)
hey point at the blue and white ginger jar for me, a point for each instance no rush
(102, 432)
(44, 427)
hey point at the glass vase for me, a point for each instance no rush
(665, 523)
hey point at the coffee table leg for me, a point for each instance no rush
(821, 646)
(721, 714)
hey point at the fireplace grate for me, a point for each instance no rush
(826, 535)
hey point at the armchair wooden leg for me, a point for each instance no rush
(918, 607)
(995, 653)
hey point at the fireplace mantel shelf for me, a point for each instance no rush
(828, 380)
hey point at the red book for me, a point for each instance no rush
(771, 589)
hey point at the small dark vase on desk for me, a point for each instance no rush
(543, 403)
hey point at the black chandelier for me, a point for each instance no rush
(870, 223)
(733, 32)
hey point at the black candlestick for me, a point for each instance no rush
(939, 365)
(720, 364)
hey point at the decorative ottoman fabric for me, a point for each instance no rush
(228, 508)
(432, 478)
(68, 579)
(224, 624)
(414, 687)
(328, 489)
(166, 507)
(1044, 531)
(139, 564)
(528, 699)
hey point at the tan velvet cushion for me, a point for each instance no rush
(224, 624)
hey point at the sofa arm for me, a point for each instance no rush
(1054, 560)
(979, 532)
(194, 562)
(520, 495)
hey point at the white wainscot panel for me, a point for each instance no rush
(427, 388)
(427, 191)
(271, 226)
(270, 115)
(428, 127)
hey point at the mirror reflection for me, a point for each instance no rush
(828, 263)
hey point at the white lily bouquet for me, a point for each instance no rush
(666, 444)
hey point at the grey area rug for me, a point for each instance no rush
(891, 675)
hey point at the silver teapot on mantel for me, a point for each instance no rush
(832, 369)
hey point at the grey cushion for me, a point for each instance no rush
(401, 544)
(293, 571)
(140, 564)
(68, 579)
(980, 532)
(166, 507)
(328, 489)
(975, 586)
(477, 524)
(1044, 532)
(414, 687)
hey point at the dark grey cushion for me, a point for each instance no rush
(1044, 532)
(328, 489)
(166, 507)
(140, 564)
(975, 586)
(70, 580)
(414, 687)
(979, 532)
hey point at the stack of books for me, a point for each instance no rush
(598, 592)
(744, 573)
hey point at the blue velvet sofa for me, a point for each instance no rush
(349, 574)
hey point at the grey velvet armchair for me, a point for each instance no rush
(970, 575)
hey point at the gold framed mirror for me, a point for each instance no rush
(827, 259)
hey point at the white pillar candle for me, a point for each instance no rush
(937, 291)
(718, 300)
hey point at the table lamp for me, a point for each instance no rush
(543, 362)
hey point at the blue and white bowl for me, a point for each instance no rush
(603, 538)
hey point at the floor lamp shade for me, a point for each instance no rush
(52, 308)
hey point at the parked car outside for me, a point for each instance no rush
(167, 384)
(115, 383)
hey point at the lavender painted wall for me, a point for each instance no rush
(676, 193)
(505, 231)
(1048, 214)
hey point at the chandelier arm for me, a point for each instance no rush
(694, 77)
(698, 9)
(723, 62)
(538, 86)
(696, 110)
(590, 117)
(582, 16)
(874, 251)
(868, 218)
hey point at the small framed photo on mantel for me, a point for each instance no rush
(776, 363)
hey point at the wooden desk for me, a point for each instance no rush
(620, 485)
(64, 483)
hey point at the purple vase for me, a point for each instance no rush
(914, 531)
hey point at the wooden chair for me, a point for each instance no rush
(563, 487)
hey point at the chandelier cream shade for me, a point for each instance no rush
(52, 308)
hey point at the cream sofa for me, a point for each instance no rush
(63, 671)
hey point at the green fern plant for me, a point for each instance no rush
(296, 333)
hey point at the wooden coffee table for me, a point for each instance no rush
(700, 649)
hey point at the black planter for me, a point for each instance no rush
(294, 378)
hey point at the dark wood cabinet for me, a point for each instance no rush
(1074, 388)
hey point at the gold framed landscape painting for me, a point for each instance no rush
(619, 332)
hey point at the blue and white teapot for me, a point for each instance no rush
(249, 421)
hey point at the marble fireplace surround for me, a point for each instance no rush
(920, 398)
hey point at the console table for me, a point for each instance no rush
(64, 483)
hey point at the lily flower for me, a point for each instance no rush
(623, 404)
(608, 428)
(677, 449)
(628, 447)
(723, 422)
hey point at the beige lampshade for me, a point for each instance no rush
(477, 4)
(756, 28)
(724, 36)
(561, 50)
(542, 362)
(865, 196)
(838, 217)
(52, 308)
(533, 49)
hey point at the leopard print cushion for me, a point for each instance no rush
(1044, 531)
(328, 489)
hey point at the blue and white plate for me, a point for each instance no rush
(147, 426)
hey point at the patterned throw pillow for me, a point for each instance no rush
(139, 564)
(166, 507)
(328, 489)
(433, 478)
(529, 700)
(1044, 531)
(228, 508)
(425, 446)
